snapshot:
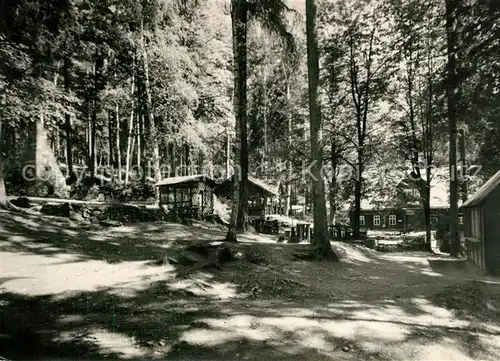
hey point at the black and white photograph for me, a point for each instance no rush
(251, 180)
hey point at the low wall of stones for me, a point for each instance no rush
(107, 215)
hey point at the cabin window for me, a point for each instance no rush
(361, 220)
(392, 220)
(376, 220)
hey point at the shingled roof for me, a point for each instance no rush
(185, 179)
(483, 192)
(267, 188)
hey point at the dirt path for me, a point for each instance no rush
(69, 293)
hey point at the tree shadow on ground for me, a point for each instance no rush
(368, 306)
(51, 236)
(167, 324)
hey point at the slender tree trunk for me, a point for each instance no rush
(96, 106)
(426, 191)
(89, 140)
(151, 119)
(289, 160)
(333, 183)
(452, 90)
(358, 187)
(109, 160)
(188, 160)
(321, 241)
(239, 30)
(118, 148)
(67, 124)
(4, 203)
(228, 154)
(93, 146)
(140, 138)
(463, 167)
(181, 160)
(132, 147)
(130, 138)
(264, 158)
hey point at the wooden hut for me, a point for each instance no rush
(481, 227)
(260, 195)
(188, 197)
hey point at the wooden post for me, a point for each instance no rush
(300, 231)
(308, 230)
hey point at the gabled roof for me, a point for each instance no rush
(185, 179)
(483, 192)
(265, 186)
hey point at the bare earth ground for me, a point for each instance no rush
(71, 293)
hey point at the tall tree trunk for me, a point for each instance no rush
(333, 183)
(109, 160)
(67, 124)
(228, 153)
(452, 90)
(237, 222)
(153, 136)
(307, 184)
(118, 148)
(99, 63)
(132, 147)
(426, 199)
(463, 167)
(187, 159)
(181, 160)
(140, 139)
(130, 138)
(289, 160)
(321, 241)
(3, 193)
(89, 140)
(358, 187)
(264, 158)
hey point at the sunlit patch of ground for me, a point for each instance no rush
(72, 293)
(39, 275)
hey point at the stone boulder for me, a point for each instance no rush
(76, 216)
(21, 202)
(58, 210)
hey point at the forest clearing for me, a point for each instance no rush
(121, 293)
(249, 179)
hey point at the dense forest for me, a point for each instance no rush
(299, 93)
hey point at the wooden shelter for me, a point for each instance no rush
(260, 195)
(188, 197)
(481, 227)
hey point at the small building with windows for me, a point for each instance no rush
(187, 197)
(399, 208)
(481, 227)
(399, 219)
